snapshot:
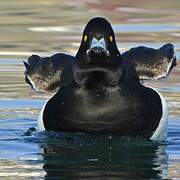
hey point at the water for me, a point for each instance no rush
(45, 27)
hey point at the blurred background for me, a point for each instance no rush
(56, 25)
(45, 27)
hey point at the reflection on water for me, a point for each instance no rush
(80, 156)
(106, 158)
(84, 156)
(46, 27)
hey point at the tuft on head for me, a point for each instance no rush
(98, 23)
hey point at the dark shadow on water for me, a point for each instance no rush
(80, 156)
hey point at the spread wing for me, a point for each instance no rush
(48, 74)
(152, 63)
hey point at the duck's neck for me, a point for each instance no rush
(96, 81)
(97, 78)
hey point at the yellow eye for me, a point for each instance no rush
(111, 38)
(85, 38)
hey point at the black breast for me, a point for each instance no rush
(125, 110)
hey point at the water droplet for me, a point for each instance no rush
(92, 159)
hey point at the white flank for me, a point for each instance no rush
(40, 123)
(160, 133)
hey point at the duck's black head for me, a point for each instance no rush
(98, 60)
(98, 45)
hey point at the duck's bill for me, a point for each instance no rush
(97, 48)
(98, 43)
